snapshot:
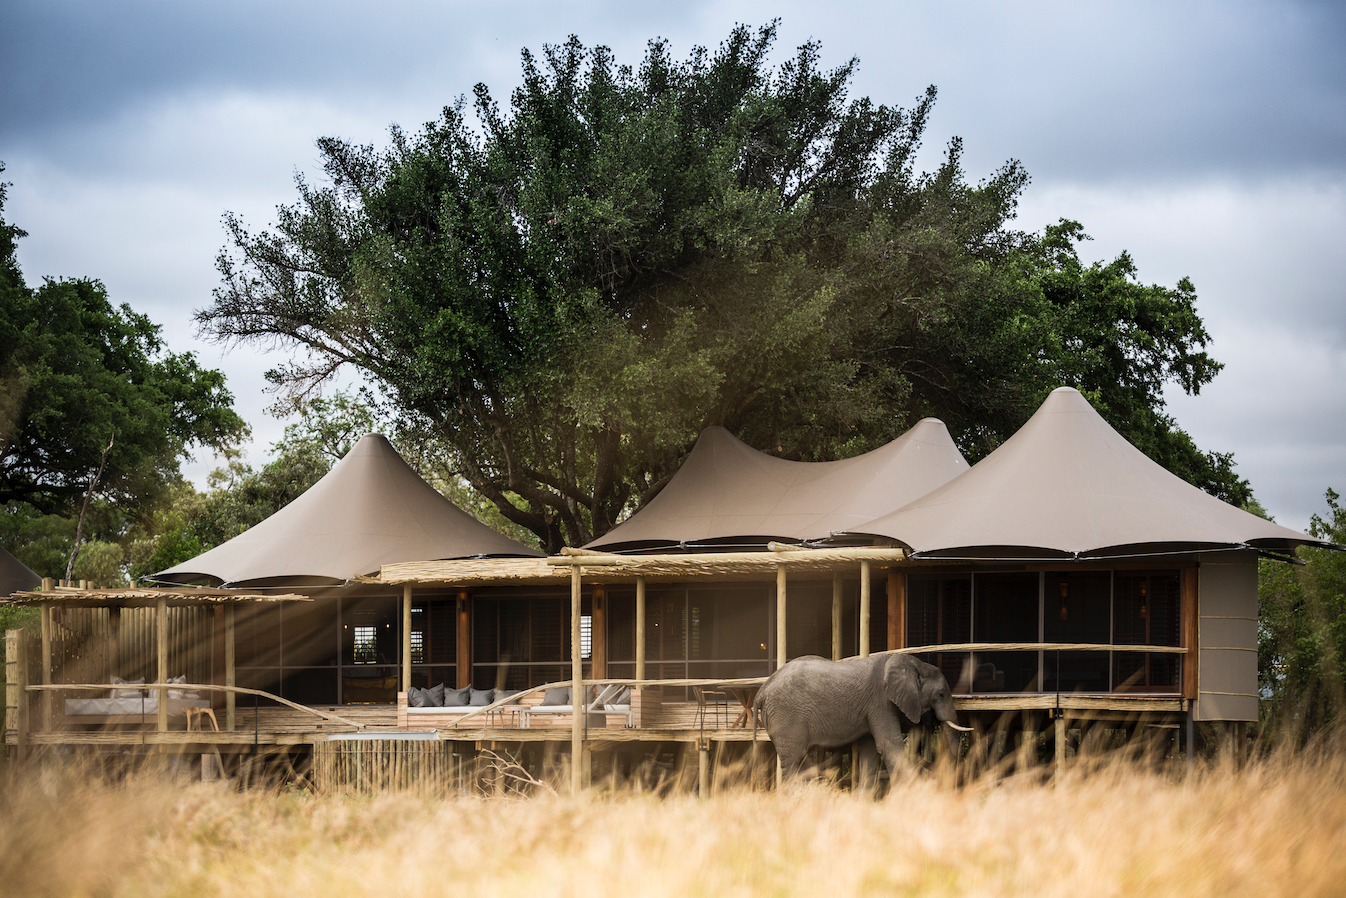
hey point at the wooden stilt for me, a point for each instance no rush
(1060, 736)
(780, 618)
(703, 770)
(864, 609)
(640, 628)
(230, 673)
(836, 616)
(161, 621)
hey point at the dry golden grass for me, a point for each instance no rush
(1276, 828)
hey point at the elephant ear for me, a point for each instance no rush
(903, 687)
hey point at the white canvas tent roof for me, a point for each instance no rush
(1067, 484)
(727, 492)
(371, 509)
(15, 575)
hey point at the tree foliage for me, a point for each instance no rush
(1302, 632)
(559, 296)
(75, 371)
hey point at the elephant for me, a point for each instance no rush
(812, 702)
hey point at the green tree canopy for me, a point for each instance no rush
(77, 372)
(1302, 633)
(561, 295)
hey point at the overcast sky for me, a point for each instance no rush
(1208, 139)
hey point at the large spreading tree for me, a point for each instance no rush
(92, 403)
(561, 294)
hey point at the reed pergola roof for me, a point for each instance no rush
(601, 567)
(71, 597)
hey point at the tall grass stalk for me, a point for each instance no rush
(1275, 827)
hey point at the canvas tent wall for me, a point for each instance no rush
(1068, 488)
(371, 509)
(15, 575)
(1067, 485)
(727, 493)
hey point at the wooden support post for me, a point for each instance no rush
(1060, 735)
(598, 634)
(1191, 633)
(406, 637)
(640, 628)
(46, 666)
(230, 673)
(864, 609)
(16, 698)
(577, 687)
(897, 610)
(464, 633)
(161, 644)
(836, 616)
(703, 770)
(780, 618)
(115, 641)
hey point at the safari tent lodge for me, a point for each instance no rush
(1065, 576)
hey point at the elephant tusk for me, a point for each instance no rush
(955, 726)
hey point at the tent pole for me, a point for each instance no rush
(836, 616)
(230, 675)
(161, 619)
(780, 617)
(598, 630)
(864, 609)
(640, 628)
(577, 687)
(406, 637)
(464, 634)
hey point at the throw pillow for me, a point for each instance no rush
(456, 698)
(435, 695)
(557, 696)
(417, 697)
(481, 696)
(128, 693)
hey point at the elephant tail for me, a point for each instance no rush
(756, 715)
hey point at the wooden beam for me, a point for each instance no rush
(577, 687)
(230, 672)
(640, 628)
(780, 618)
(897, 610)
(46, 666)
(463, 632)
(864, 609)
(161, 644)
(1191, 631)
(407, 637)
(598, 634)
(836, 616)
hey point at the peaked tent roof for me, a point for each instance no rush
(371, 509)
(15, 575)
(1067, 484)
(727, 491)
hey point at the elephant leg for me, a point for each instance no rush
(887, 732)
(791, 754)
(865, 774)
